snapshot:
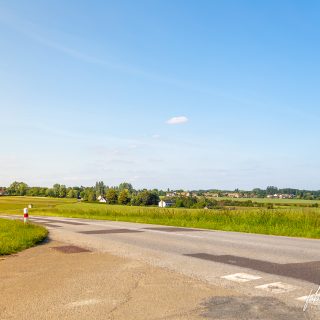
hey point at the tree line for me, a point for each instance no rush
(123, 194)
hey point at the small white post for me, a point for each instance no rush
(25, 215)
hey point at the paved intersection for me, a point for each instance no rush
(257, 265)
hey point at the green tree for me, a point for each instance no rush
(56, 190)
(70, 193)
(100, 189)
(92, 196)
(112, 196)
(146, 198)
(62, 191)
(50, 192)
(124, 186)
(124, 197)
(18, 189)
(272, 190)
(22, 189)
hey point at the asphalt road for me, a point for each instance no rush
(281, 268)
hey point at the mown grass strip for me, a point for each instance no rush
(16, 236)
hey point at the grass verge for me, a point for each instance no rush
(284, 221)
(16, 236)
(296, 222)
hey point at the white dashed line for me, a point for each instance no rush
(277, 287)
(241, 277)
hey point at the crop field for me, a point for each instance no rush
(16, 236)
(286, 221)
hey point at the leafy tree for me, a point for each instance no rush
(56, 190)
(124, 197)
(62, 191)
(43, 191)
(50, 192)
(18, 189)
(33, 192)
(112, 196)
(100, 189)
(272, 190)
(145, 198)
(70, 193)
(92, 196)
(259, 192)
(125, 186)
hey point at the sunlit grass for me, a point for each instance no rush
(285, 221)
(299, 222)
(16, 204)
(16, 236)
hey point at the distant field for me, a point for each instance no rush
(290, 221)
(16, 204)
(16, 236)
(275, 201)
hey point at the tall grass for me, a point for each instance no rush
(16, 236)
(286, 221)
(299, 222)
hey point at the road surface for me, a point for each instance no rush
(273, 267)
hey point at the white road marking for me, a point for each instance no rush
(312, 299)
(277, 287)
(241, 277)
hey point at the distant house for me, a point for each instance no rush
(171, 194)
(163, 204)
(280, 196)
(233, 195)
(185, 194)
(3, 192)
(102, 199)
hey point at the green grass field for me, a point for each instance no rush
(279, 202)
(16, 204)
(16, 236)
(285, 221)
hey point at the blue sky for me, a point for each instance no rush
(166, 94)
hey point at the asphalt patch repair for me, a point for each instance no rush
(109, 231)
(308, 271)
(249, 308)
(74, 223)
(70, 249)
(172, 229)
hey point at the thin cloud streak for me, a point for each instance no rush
(25, 27)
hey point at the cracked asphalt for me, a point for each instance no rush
(43, 283)
(138, 271)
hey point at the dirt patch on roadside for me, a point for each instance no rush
(42, 283)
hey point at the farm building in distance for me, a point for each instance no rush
(163, 204)
(102, 199)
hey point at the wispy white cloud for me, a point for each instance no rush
(156, 136)
(178, 120)
(38, 34)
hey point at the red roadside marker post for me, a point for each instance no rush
(25, 215)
